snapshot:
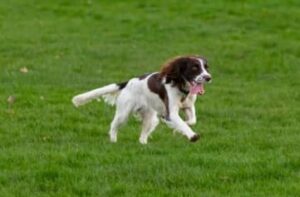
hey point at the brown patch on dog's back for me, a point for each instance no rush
(144, 76)
(122, 85)
(156, 86)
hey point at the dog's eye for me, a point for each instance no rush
(195, 68)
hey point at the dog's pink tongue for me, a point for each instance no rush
(197, 89)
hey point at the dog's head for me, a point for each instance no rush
(188, 73)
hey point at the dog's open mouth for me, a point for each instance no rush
(197, 88)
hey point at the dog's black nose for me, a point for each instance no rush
(207, 78)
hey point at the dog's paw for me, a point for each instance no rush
(113, 138)
(143, 140)
(191, 122)
(195, 138)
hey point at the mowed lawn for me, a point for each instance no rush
(249, 116)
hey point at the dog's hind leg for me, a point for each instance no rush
(121, 117)
(150, 121)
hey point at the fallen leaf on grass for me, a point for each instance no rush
(11, 100)
(24, 70)
(224, 178)
(45, 138)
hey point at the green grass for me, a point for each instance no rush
(249, 117)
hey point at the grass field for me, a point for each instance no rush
(249, 116)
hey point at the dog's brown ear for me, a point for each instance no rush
(173, 69)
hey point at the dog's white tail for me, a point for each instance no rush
(86, 97)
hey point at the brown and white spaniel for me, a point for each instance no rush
(160, 94)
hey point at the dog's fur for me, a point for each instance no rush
(161, 94)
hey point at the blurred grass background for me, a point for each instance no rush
(249, 116)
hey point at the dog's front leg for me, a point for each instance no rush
(188, 106)
(178, 124)
(190, 115)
